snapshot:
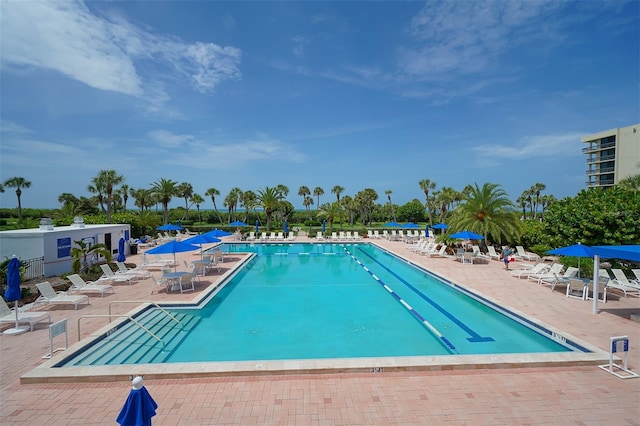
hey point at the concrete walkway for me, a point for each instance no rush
(551, 395)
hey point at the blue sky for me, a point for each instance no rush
(358, 94)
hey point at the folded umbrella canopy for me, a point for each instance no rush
(121, 256)
(285, 228)
(139, 406)
(13, 293)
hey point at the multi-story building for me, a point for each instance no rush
(612, 155)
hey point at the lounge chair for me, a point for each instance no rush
(280, 236)
(440, 253)
(49, 295)
(156, 263)
(319, 236)
(556, 268)
(252, 236)
(8, 315)
(80, 285)
(376, 234)
(492, 253)
(263, 237)
(636, 272)
(109, 275)
(526, 255)
(621, 282)
(291, 236)
(525, 271)
(137, 272)
(479, 255)
(554, 279)
(576, 288)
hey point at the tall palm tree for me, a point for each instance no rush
(143, 197)
(124, 193)
(231, 201)
(426, 185)
(350, 207)
(536, 189)
(365, 201)
(283, 190)
(445, 198)
(185, 190)
(213, 193)
(330, 212)
(18, 183)
(164, 189)
(307, 202)
(488, 211)
(197, 200)
(106, 180)
(269, 200)
(248, 202)
(304, 192)
(317, 191)
(337, 190)
(388, 193)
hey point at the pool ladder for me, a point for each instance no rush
(133, 320)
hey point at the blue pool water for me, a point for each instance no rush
(304, 301)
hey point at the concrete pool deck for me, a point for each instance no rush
(566, 394)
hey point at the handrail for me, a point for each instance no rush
(146, 301)
(121, 316)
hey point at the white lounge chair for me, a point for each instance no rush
(80, 285)
(555, 268)
(442, 252)
(526, 271)
(554, 279)
(8, 315)
(49, 295)
(621, 282)
(526, 255)
(252, 236)
(636, 272)
(110, 276)
(137, 272)
(492, 253)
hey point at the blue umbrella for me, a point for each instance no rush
(121, 256)
(238, 223)
(218, 233)
(13, 293)
(257, 227)
(169, 227)
(393, 224)
(577, 250)
(202, 239)
(440, 226)
(139, 406)
(426, 230)
(466, 235)
(173, 247)
(411, 225)
(286, 228)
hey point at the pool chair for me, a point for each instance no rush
(49, 295)
(480, 256)
(492, 253)
(622, 283)
(186, 281)
(369, 233)
(80, 285)
(636, 272)
(137, 272)
(319, 236)
(376, 234)
(263, 237)
(525, 271)
(158, 283)
(109, 276)
(555, 278)
(291, 236)
(576, 288)
(280, 236)
(526, 255)
(8, 315)
(252, 236)
(440, 253)
(555, 268)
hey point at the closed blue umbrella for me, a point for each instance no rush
(257, 227)
(286, 228)
(426, 230)
(13, 293)
(169, 227)
(173, 247)
(121, 256)
(139, 406)
(466, 235)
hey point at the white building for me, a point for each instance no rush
(612, 155)
(49, 248)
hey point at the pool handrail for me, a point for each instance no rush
(120, 316)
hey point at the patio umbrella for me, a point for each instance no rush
(393, 224)
(441, 226)
(238, 223)
(216, 233)
(169, 227)
(13, 294)
(173, 247)
(139, 406)
(121, 256)
(577, 250)
(257, 227)
(426, 230)
(286, 228)
(202, 239)
(411, 225)
(466, 235)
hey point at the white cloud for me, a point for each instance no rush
(107, 52)
(562, 145)
(168, 139)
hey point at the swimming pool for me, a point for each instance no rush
(324, 301)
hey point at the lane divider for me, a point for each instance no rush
(447, 344)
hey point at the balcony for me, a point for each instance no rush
(601, 170)
(600, 147)
(601, 158)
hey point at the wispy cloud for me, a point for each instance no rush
(107, 52)
(561, 145)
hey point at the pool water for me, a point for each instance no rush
(307, 301)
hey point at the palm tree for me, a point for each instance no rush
(164, 189)
(147, 220)
(283, 190)
(66, 198)
(445, 198)
(231, 201)
(18, 183)
(350, 207)
(426, 185)
(630, 183)
(84, 254)
(304, 192)
(317, 191)
(185, 190)
(124, 192)
(337, 190)
(269, 200)
(107, 179)
(536, 189)
(143, 197)
(522, 202)
(197, 200)
(365, 202)
(308, 201)
(388, 193)
(330, 212)
(488, 211)
(97, 188)
(213, 192)
(248, 202)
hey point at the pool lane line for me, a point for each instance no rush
(447, 344)
(475, 337)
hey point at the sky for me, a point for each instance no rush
(361, 94)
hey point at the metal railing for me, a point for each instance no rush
(599, 147)
(601, 170)
(146, 301)
(33, 268)
(605, 157)
(146, 330)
